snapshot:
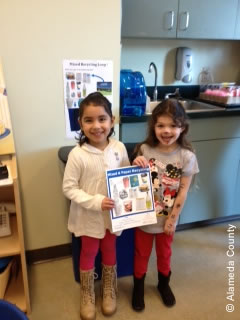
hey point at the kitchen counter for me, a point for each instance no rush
(226, 112)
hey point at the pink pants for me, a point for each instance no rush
(143, 248)
(90, 247)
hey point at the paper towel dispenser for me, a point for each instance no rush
(184, 64)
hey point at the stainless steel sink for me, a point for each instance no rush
(197, 106)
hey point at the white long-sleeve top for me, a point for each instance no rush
(84, 183)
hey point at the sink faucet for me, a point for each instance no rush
(175, 94)
(155, 92)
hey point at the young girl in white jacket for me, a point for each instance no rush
(84, 184)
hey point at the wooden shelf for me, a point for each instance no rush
(10, 161)
(10, 245)
(15, 292)
(7, 194)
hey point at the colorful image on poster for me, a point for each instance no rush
(105, 88)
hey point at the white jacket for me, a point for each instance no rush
(84, 183)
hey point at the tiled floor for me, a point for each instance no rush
(199, 281)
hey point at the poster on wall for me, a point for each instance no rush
(6, 134)
(82, 77)
(131, 190)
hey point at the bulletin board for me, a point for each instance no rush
(6, 134)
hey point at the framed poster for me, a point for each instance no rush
(6, 134)
(131, 189)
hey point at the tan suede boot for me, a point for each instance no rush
(87, 295)
(109, 290)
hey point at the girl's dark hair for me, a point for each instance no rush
(93, 99)
(174, 109)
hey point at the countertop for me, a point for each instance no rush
(187, 92)
(226, 112)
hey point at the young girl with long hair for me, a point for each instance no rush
(173, 164)
(84, 183)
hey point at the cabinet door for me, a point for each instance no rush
(218, 184)
(149, 18)
(237, 28)
(133, 132)
(207, 19)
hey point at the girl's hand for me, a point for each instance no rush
(107, 204)
(140, 161)
(169, 227)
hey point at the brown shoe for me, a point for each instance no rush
(109, 290)
(87, 295)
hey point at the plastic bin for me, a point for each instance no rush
(133, 95)
(9, 311)
(73, 118)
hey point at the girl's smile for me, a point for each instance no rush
(167, 132)
(96, 125)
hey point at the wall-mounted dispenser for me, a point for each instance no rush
(184, 64)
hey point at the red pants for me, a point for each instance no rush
(90, 247)
(143, 249)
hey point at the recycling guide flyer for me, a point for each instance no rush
(131, 190)
(81, 77)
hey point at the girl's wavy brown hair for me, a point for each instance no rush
(174, 109)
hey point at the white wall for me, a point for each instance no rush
(222, 57)
(36, 35)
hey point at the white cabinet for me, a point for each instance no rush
(179, 19)
(237, 29)
(207, 19)
(217, 145)
(149, 18)
(218, 182)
